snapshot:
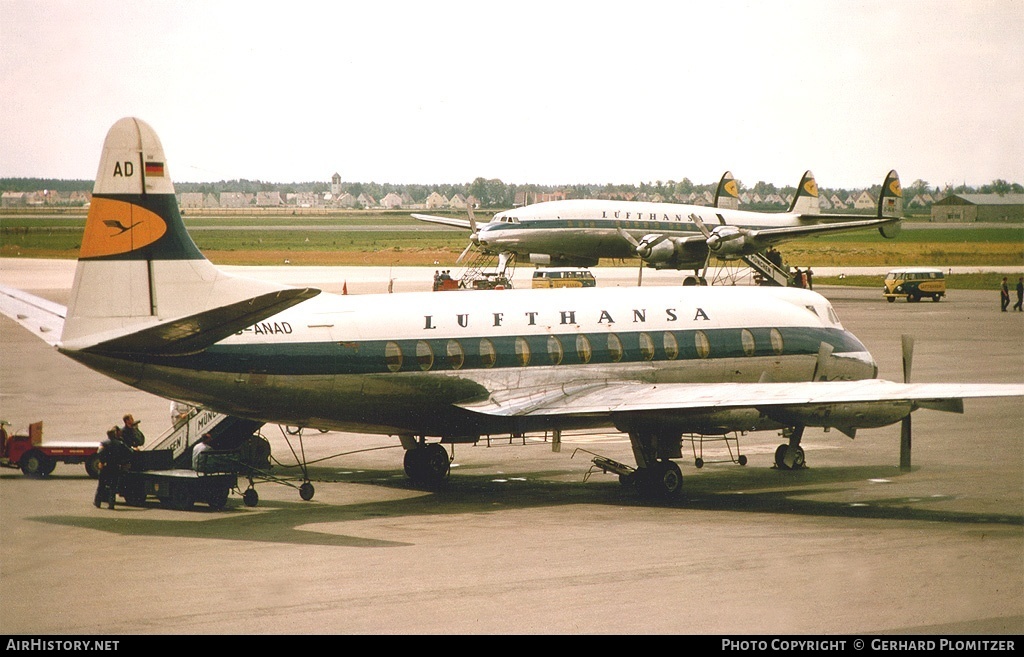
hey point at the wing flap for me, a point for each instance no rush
(42, 317)
(191, 334)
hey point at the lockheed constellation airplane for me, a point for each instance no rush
(148, 309)
(664, 235)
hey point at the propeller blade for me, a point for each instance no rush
(821, 365)
(908, 356)
(695, 218)
(629, 238)
(464, 252)
(472, 219)
(907, 343)
(905, 443)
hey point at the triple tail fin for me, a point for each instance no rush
(728, 194)
(138, 267)
(806, 199)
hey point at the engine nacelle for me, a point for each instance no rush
(852, 415)
(663, 251)
(729, 243)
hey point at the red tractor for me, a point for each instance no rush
(36, 458)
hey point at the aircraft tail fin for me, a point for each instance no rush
(137, 266)
(890, 198)
(806, 199)
(728, 194)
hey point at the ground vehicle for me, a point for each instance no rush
(36, 458)
(563, 277)
(153, 474)
(491, 281)
(914, 283)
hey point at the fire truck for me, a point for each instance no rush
(36, 458)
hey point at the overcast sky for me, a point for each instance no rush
(528, 92)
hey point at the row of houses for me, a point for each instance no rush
(44, 198)
(948, 208)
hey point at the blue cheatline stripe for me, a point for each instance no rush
(373, 356)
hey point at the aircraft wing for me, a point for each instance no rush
(823, 224)
(42, 317)
(776, 400)
(446, 221)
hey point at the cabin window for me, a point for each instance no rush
(646, 347)
(583, 350)
(488, 356)
(614, 348)
(747, 338)
(700, 341)
(522, 351)
(671, 346)
(777, 344)
(456, 357)
(554, 350)
(393, 356)
(424, 355)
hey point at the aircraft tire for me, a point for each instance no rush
(250, 497)
(663, 481)
(306, 491)
(780, 458)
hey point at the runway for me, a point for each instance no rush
(522, 540)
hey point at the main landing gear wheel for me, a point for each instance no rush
(306, 491)
(780, 458)
(427, 465)
(663, 480)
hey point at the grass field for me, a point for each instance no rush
(369, 238)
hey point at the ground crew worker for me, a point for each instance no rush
(114, 460)
(131, 434)
(200, 447)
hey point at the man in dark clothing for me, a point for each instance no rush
(114, 457)
(1004, 295)
(131, 434)
(1020, 295)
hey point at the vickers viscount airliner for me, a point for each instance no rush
(148, 309)
(579, 232)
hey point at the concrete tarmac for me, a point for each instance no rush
(522, 540)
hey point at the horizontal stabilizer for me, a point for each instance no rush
(194, 333)
(44, 318)
(445, 221)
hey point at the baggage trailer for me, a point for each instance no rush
(151, 475)
(178, 489)
(36, 458)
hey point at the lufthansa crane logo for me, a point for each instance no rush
(119, 227)
(115, 227)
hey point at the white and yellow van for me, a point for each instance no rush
(914, 283)
(563, 277)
